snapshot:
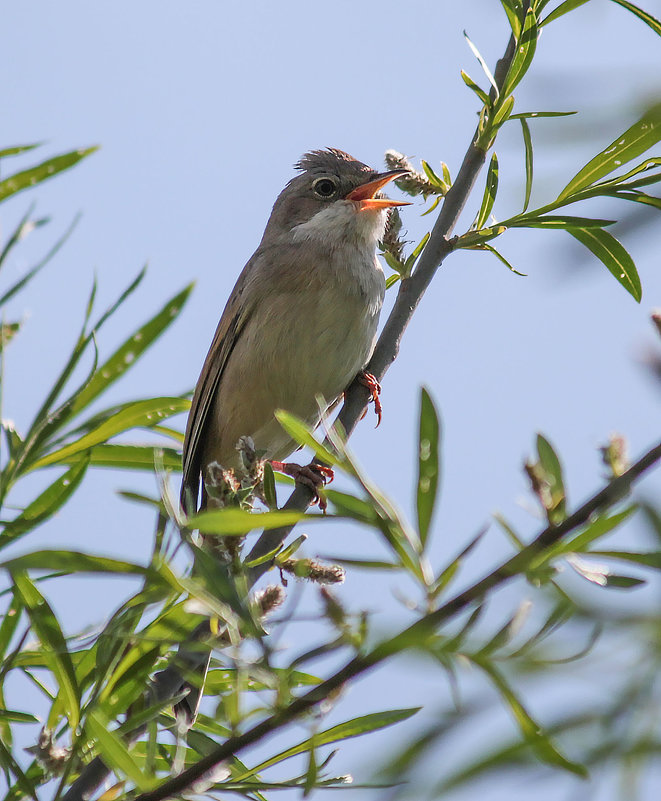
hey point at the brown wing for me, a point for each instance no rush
(234, 317)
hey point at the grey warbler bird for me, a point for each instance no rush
(300, 322)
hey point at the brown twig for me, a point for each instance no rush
(614, 491)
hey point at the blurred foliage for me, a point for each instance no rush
(95, 695)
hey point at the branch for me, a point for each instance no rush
(614, 491)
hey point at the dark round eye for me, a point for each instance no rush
(324, 187)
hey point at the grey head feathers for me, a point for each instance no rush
(325, 176)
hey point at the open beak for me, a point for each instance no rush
(364, 194)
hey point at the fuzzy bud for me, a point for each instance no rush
(51, 757)
(615, 455)
(269, 599)
(314, 571)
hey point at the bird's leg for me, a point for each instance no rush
(369, 381)
(313, 476)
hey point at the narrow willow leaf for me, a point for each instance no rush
(22, 787)
(514, 12)
(556, 221)
(301, 434)
(435, 203)
(428, 464)
(46, 504)
(415, 255)
(138, 414)
(611, 252)
(470, 83)
(525, 51)
(362, 564)
(130, 351)
(47, 169)
(483, 64)
(642, 135)
(534, 734)
(72, 562)
(527, 141)
(500, 256)
(490, 191)
(9, 624)
(503, 111)
(434, 180)
(135, 457)
(533, 114)
(617, 582)
(235, 521)
(30, 274)
(343, 731)
(350, 506)
(646, 17)
(24, 227)
(114, 752)
(648, 559)
(551, 465)
(268, 485)
(392, 262)
(53, 645)
(563, 8)
(391, 280)
(14, 151)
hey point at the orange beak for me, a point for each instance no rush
(364, 194)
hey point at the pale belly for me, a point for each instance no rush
(302, 347)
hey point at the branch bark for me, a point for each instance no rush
(614, 491)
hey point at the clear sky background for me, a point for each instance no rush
(201, 109)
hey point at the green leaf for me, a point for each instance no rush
(490, 190)
(533, 114)
(499, 256)
(343, 731)
(555, 221)
(234, 521)
(46, 504)
(9, 624)
(114, 752)
(411, 260)
(138, 414)
(483, 64)
(502, 112)
(540, 742)
(563, 8)
(14, 151)
(268, 485)
(135, 457)
(130, 351)
(47, 169)
(635, 140)
(17, 717)
(525, 51)
(30, 274)
(648, 559)
(72, 562)
(470, 83)
(514, 11)
(300, 433)
(391, 280)
(646, 17)
(527, 141)
(609, 251)
(53, 645)
(23, 786)
(428, 463)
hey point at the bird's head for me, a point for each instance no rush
(335, 199)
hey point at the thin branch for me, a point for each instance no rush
(614, 491)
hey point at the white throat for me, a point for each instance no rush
(343, 223)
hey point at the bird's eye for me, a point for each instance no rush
(324, 187)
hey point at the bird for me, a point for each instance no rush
(300, 322)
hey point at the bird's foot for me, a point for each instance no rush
(313, 476)
(374, 388)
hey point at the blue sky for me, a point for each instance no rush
(201, 109)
